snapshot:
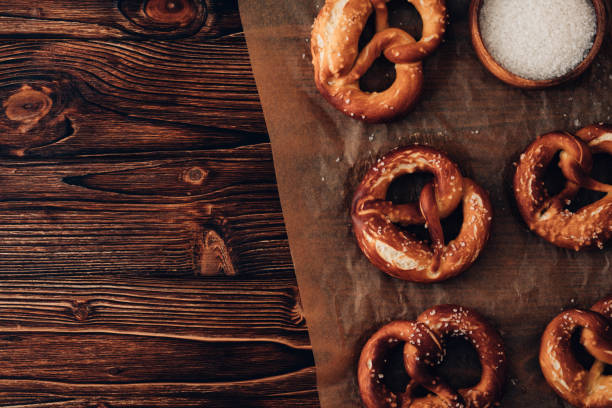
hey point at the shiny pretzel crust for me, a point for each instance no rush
(338, 64)
(424, 341)
(399, 253)
(370, 375)
(580, 387)
(545, 215)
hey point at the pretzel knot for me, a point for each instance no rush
(338, 64)
(424, 348)
(546, 215)
(399, 253)
(580, 387)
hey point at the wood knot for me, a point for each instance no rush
(215, 257)
(36, 115)
(172, 12)
(297, 311)
(36, 12)
(28, 106)
(195, 175)
(115, 371)
(81, 310)
(164, 18)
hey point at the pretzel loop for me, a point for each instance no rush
(433, 15)
(546, 215)
(584, 388)
(399, 253)
(423, 349)
(376, 352)
(339, 65)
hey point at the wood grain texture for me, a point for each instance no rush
(283, 390)
(210, 310)
(206, 85)
(155, 341)
(119, 19)
(143, 255)
(213, 212)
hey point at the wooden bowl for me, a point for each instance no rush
(515, 80)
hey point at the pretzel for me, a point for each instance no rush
(424, 348)
(547, 216)
(338, 64)
(580, 387)
(399, 253)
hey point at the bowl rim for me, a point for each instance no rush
(512, 79)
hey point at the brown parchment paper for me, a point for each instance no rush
(519, 282)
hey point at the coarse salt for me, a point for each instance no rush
(538, 39)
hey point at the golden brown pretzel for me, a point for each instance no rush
(547, 216)
(338, 64)
(580, 387)
(399, 253)
(423, 348)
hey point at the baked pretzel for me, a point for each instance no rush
(424, 348)
(399, 253)
(338, 64)
(580, 387)
(546, 215)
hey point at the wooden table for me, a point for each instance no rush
(143, 255)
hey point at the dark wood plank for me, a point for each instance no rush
(195, 308)
(73, 126)
(293, 389)
(153, 342)
(57, 241)
(212, 212)
(177, 178)
(87, 358)
(122, 19)
(48, 88)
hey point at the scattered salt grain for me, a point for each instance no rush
(538, 39)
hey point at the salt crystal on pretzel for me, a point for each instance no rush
(423, 348)
(399, 253)
(581, 387)
(547, 216)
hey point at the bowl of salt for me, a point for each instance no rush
(535, 44)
